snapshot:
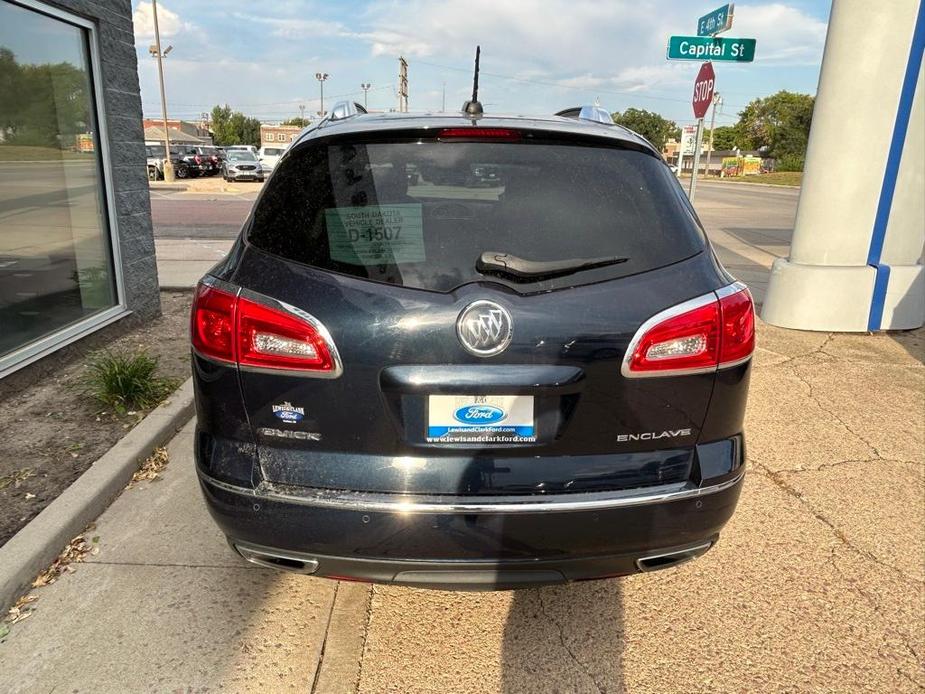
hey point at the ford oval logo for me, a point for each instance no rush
(479, 414)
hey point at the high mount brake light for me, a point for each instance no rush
(711, 332)
(236, 329)
(476, 133)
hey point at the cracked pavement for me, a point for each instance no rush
(816, 584)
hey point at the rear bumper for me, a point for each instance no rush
(458, 542)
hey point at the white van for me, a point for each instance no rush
(268, 156)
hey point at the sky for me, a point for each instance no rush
(538, 56)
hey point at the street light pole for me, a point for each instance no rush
(302, 115)
(321, 77)
(365, 87)
(168, 164)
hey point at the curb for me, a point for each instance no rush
(36, 545)
(744, 183)
(167, 186)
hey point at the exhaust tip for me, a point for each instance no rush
(666, 560)
(275, 559)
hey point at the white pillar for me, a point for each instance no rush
(856, 257)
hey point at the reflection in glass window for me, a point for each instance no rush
(55, 259)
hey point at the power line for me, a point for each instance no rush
(547, 83)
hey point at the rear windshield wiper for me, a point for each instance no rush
(519, 269)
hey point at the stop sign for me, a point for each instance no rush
(703, 90)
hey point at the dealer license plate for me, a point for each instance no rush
(480, 419)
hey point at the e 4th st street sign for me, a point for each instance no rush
(710, 48)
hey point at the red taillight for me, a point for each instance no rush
(738, 315)
(475, 133)
(213, 321)
(697, 336)
(277, 340)
(236, 329)
(197, 159)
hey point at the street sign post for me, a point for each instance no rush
(716, 22)
(710, 48)
(703, 96)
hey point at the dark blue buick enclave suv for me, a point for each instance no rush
(465, 351)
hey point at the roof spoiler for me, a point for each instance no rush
(592, 113)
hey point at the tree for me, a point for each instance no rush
(234, 128)
(726, 137)
(779, 126)
(300, 122)
(648, 124)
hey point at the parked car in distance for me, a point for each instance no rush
(246, 148)
(212, 156)
(477, 353)
(155, 162)
(241, 165)
(196, 164)
(269, 156)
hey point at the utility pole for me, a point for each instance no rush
(402, 85)
(321, 77)
(365, 87)
(717, 101)
(443, 103)
(159, 56)
(302, 115)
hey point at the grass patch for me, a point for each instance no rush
(126, 381)
(777, 178)
(33, 153)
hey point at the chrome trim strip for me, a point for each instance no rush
(730, 364)
(684, 307)
(396, 503)
(731, 289)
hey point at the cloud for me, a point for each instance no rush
(294, 28)
(786, 36)
(169, 23)
(590, 44)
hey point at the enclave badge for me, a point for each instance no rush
(484, 328)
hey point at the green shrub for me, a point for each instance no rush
(789, 162)
(126, 381)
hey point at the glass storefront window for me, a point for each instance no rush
(56, 261)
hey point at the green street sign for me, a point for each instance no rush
(718, 21)
(710, 48)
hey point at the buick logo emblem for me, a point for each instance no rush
(484, 328)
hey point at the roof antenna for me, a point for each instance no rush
(474, 108)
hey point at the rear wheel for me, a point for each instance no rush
(152, 173)
(182, 172)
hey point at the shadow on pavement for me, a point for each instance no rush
(564, 638)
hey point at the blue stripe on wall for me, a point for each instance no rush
(903, 112)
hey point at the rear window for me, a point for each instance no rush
(421, 214)
(272, 151)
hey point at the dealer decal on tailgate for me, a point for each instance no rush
(480, 419)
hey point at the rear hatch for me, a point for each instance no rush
(476, 290)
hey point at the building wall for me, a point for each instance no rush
(278, 135)
(123, 139)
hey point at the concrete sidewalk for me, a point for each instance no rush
(816, 585)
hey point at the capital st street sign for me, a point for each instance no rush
(717, 21)
(710, 48)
